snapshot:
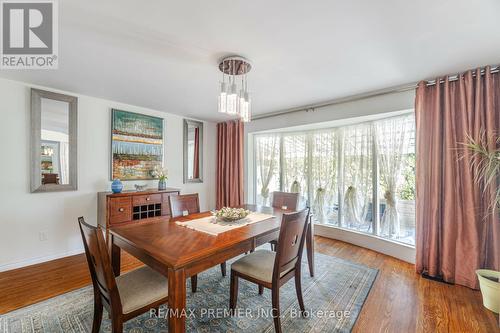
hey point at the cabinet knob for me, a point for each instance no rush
(148, 198)
(121, 209)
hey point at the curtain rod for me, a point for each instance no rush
(357, 97)
(455, 77)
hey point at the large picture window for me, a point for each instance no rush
(267, 157)
(359, 177)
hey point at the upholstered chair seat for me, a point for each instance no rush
(258, 265)
(141, 287)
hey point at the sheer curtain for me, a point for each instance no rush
(295, 164)
(64, 158)
(357, 176)
(267, 159)
(324, 165)
(392, 138)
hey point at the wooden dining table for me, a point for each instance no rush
(179, 253)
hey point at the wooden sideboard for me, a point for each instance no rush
(132, 207)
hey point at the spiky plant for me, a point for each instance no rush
(485, 163)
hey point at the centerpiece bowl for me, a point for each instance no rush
(229, 214)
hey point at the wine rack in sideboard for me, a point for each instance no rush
(115, 209)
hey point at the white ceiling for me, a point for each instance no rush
(164, 54)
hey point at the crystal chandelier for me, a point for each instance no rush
(234, 98)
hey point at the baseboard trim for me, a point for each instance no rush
(38, 260)
(400, 251)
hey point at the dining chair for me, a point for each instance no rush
(291, 201)
(125, 296)
(287, 201)
(185, 204)
(270, 269)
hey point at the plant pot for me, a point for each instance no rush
(490, 289)
(162, 185)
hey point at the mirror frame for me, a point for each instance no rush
(36, 131)
(198, 124)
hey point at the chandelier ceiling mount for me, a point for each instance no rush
(234, 97)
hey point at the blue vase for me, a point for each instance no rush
(162, 185)
(116, 186)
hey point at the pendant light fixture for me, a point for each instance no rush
(234, 98)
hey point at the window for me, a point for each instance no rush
(294, 162)
(359, 177)
(324, 176)
(267, 157)
(395, 143)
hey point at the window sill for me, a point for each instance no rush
(405, 252)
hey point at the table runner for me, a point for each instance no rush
(207, 225)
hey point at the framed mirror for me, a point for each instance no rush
(193, 151)
(53, 141)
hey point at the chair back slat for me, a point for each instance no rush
(99, 263)
(184, 203)
(291, 241)
(285, 199)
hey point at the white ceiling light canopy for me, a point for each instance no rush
(234, 98)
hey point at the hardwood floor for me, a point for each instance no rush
(400, 300)
(32, 284)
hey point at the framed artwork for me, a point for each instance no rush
(136, 145)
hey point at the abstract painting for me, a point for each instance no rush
(136, 145)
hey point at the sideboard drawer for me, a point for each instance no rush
(139, 200)
(120, 210)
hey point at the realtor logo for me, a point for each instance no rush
(29, 34)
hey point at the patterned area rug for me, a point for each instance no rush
(333, 300)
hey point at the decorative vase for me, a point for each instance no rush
(162, 184)
(489, 282)
(116, 186)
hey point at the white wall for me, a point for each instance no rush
(23, 214)
(360, 108)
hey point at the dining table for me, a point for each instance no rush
(178, 252)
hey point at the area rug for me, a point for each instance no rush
(333, 301)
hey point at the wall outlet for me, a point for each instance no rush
(43, 235)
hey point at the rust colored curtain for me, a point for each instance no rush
(230, 164)
(455, 233)
(196, 158)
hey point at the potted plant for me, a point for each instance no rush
(486, 164)
(162, 175)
